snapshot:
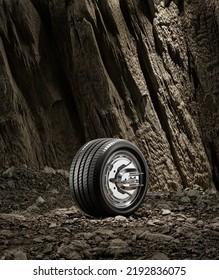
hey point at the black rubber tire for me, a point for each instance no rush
(86, 177)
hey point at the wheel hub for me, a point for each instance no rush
(122, 179)
(131, 181)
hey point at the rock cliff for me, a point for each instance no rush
(146, 71)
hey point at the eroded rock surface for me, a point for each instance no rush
(146, 71)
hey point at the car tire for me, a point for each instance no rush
(108, 177)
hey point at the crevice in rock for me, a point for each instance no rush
(109, 21)
(215, 165)
(115, 70)
(157, 42)
(180, 5)
(158, 107)
(167, 3)
(128, 20)
(42, 10)
(146, 10)
(150, 8)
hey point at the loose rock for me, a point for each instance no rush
(68, 252)
(159, 256)
(121, 218)
(20, 255)
(40, 200)
(165, 212)
(6, 233)
(118, 247)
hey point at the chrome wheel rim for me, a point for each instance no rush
(122, 179)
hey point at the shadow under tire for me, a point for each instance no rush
(108, 177)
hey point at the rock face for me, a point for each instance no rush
(146, 71)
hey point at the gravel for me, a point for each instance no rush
(39, 220)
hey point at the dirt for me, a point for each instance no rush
(39, 220)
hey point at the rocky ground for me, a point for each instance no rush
(38, 220)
